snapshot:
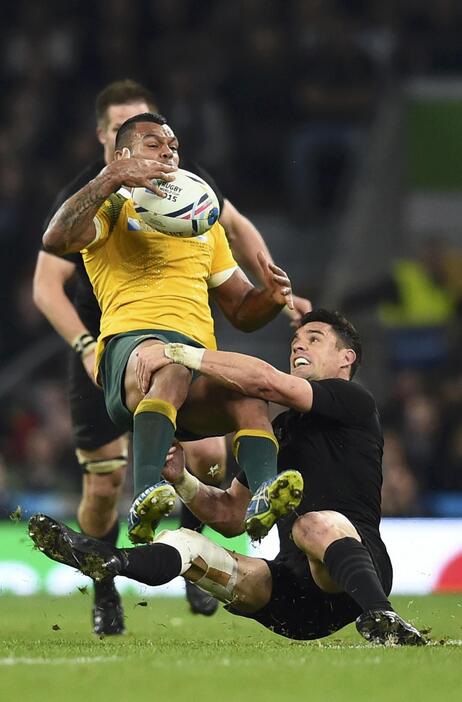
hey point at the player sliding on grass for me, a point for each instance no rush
(333, 567)
(154, 289)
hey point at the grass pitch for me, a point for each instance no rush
(48, 653)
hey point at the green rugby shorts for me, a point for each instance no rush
(114, 361)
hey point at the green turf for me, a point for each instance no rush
(169, 654)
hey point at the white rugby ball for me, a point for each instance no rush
(190, 207)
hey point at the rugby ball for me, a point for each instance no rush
(190, 207)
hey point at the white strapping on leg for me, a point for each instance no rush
(212, 567)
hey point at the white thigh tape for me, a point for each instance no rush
(211, 566)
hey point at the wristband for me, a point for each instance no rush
(84, 344)
(187, 487)
(185, 355)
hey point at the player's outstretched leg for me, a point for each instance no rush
(386, 627)
(92, 557)
(147, 510)
(274, 499)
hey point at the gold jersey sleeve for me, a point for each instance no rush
(144, 279)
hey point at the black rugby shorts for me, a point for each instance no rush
(299, 610)
(91, 424)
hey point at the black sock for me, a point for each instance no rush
(188, 520)
(155, 564)
(110, 537)
(349, 563)
(105, 588)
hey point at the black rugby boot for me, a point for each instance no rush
(92, 557)
(386, 627)
(200, 601)
(107, 612)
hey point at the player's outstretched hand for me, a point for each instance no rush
(277, 282)
(174, 463)
(140, 172)
(149, 359)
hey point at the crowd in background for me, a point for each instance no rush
(274, 98)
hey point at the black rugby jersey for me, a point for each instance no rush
(82, 295)
(337, 447)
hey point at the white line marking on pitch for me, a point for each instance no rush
(59, 661)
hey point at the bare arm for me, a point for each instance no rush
(246, 242)
(50, 277)
(223, 510)
(256, 378)
(245, 374)
(249, 308)
(72, 228)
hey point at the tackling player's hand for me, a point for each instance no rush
(277, 282)
(149, 359)
(139, 172)
(301, 307)
(89, 365)
(174, 463)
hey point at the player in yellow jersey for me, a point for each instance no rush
(148, 294)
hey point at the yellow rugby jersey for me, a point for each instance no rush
(145, 279)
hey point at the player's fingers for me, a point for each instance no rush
(286, 291)
(288, 298)
(140, 371)
(282, 282)
(167, 176)
(170, 454)
(281, 278)
(276, 269)
(137, 374)
(154, 187)
(126, 152)
(147, 375)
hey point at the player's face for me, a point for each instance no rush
(316, 355)
(116, 115)
(156, 142)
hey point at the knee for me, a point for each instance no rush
(104, 487)
(315, 531)
(309, 530)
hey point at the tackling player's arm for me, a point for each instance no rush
(246, 242)
(50, 278)
(72, 228)
(223, 510)
(245, 374)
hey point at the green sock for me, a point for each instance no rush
(153, 433)
(256, 453)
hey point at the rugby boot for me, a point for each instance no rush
(107, 612)
(200, 601)
(386, 627)
(274, 498)
(148, 509)
(92, 557)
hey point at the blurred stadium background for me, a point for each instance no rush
(336, 126)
